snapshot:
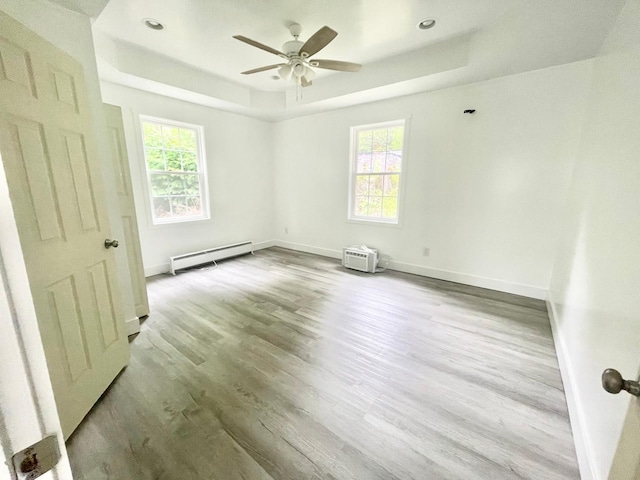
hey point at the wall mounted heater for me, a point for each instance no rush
(360, 258)
(192, 259)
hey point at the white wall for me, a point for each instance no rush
(239, 168)
(595, 288)
(483, 192)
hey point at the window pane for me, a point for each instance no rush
(160, 184)
(396, 137)
(161, 207)
(173, 164)
(176, 185)
(173, 160)
(390, 207)
(364, 163)
(179, 206)
(171, 137)
(380, 140)
(364, 142)
(193, 206)
(187, 139)
(378, 166)
(375, 207)
(391, 183)
(166, 184)
(375, 185)
(361, 206)
(378, 162)
(189, 163)
(154, 159)
(152, 134)
(191, 184)
(362, 184)
(394, 162)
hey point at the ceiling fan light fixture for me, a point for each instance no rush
(285, 72)
(426, 24)
(309, 74)
(299, 69)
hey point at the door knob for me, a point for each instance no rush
(111, 243)
(613, 382)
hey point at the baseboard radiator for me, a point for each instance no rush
(192, 259)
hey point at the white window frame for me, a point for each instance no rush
(353, 165)
(201, 160)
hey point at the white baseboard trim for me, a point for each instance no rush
(473, 280)
(156, 270)
(165, 267)
(132, 326)
(300, 247)
(265, 244)
(476, 281)
(576, 414)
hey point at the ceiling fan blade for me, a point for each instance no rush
(262, 69)
(259, 45)
(337, 65)
(318, 41)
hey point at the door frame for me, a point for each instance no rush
(27, 406)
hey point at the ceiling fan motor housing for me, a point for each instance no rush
(292, 47)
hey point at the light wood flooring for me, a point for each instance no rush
(283, 365)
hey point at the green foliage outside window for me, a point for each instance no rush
(172, 162)
(378, 166)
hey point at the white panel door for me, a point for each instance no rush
(120, 161)
(27, 406)
(50, 158)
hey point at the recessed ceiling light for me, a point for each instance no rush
(153, 24)
(427, 24)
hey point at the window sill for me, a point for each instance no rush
(179, 221)
(374, 223)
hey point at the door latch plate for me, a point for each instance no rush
(37, 459)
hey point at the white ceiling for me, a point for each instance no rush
(195, 57)
(199, 32)
(90, 8)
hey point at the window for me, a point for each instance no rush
(175, 163)
(376, 168)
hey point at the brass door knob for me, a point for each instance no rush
(613, 382)
(108, 243)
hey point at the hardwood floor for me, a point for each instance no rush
(284, 365)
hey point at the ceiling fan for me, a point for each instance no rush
(298, 56)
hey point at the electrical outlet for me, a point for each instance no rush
(426, 251)
(286, 229)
